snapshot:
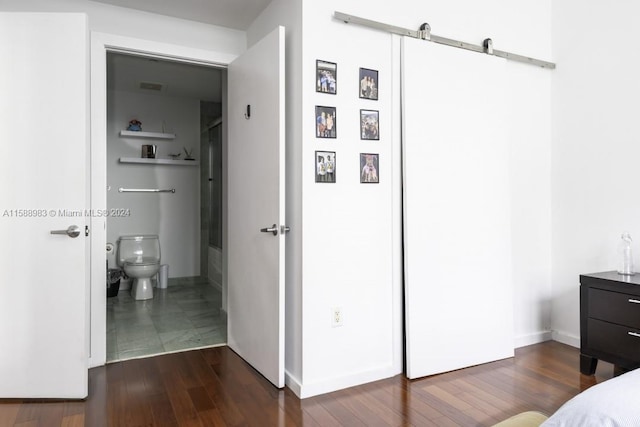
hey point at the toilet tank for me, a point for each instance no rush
(144, 248)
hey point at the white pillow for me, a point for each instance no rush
(613, 403)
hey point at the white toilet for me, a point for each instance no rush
(139, 256)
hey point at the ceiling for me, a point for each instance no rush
(237, 14)
(127, 72)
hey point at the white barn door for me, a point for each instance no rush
(458, 288)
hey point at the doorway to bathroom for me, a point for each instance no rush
(165, 132)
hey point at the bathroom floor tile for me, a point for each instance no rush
(200, 305)
(199, 319)
(164, 307)
(128, 310)
(187, 295)
(141, 344)
(112, 354)
(212, 335)
(128, 334)
(184, 315)
(179, 340)
(172, 322)
(134, 320)
(139, 352)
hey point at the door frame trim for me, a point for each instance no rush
(101, 43)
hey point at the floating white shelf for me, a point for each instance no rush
(159, 161)
(140, 134)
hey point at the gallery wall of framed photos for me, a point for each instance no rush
(328, 140)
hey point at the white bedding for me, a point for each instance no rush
(613, 403)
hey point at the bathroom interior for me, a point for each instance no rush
(170, 188)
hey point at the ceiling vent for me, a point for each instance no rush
(158, 87)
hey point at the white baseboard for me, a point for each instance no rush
(333, 384)
(292, 382)
(566, 338)
(534, 338)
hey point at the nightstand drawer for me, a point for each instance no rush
(613, 339)
(614, 307)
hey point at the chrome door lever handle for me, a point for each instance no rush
(273, 229)
(284, 229)
(73, 231)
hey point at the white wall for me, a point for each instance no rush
(364, 286)
(134, 23)
(174, 217)
(530, 175)
(348, 227)
(346, 253)
(595, 147)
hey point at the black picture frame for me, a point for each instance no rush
(326, 77)
(369, 168)
(370, 125)
(325, 166)
(326, 122)
(368, 84)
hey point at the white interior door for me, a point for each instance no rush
(256, 200)
(43, 290)
(458, 289)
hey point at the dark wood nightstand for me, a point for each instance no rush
(609, 321)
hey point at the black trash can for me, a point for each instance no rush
(113, 281)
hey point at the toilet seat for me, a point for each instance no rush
(145, 261)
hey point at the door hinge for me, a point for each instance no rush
(86, 230)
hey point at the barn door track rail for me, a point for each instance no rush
(424, 33)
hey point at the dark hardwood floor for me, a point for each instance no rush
(214, 387)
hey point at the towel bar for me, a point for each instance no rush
(145, 190)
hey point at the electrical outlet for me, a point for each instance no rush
(336, 317)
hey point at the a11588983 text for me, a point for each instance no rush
(67, 213)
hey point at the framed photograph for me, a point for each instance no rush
(368, 84)
(326, 77)
(325, 166)
(325, 122)
(369, 168)
(369, 124)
